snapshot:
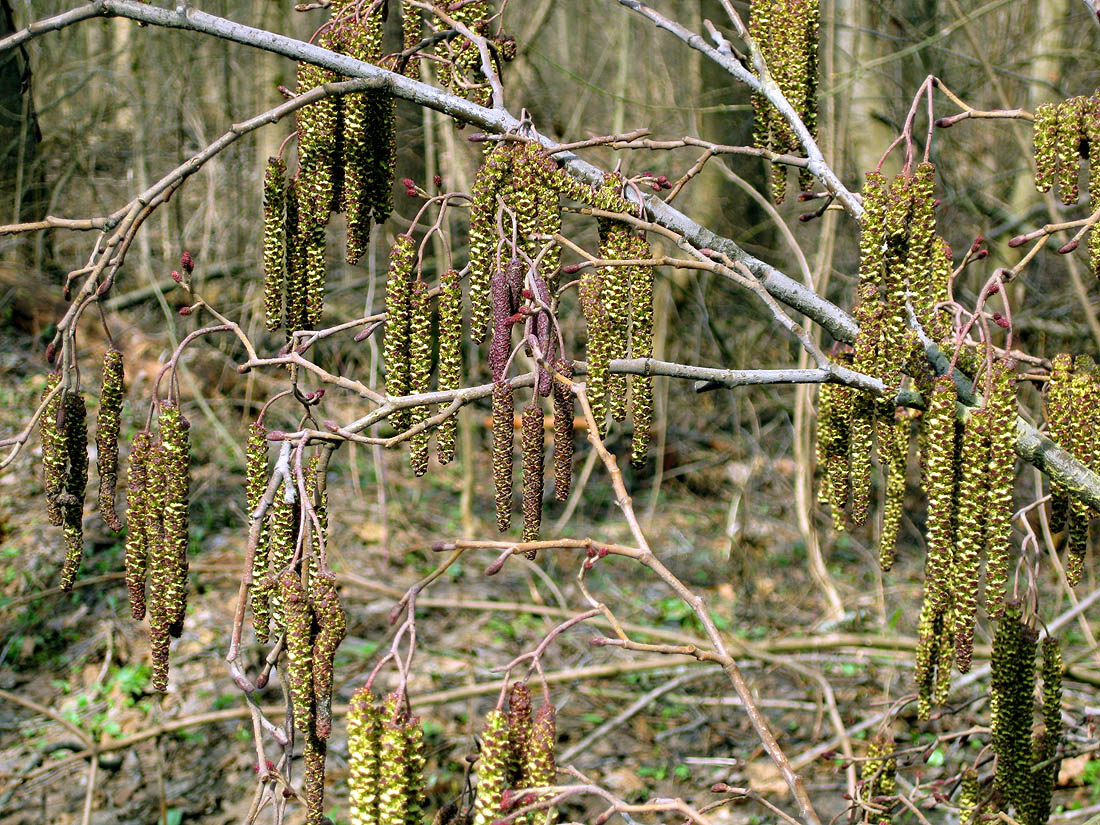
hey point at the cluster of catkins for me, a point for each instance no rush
(878, 776)
(786, 32)
(385, 762)
(346, 158)
(517, 751)
(407, 348)
(1065, 132)
(156, 545)
(969, 471)
(460, 61)
(64, 431)
(1027, 761)
(1073, 418)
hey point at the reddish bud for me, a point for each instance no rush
(276, 435)
(706, 250)
(411, 193)
(978, 241)
(993, 289)
(51, 352)
(656, 187)
(478, 137)
(1002, 323)
(186, 310)
(103, 288)
(177, 277)
(437, 180)
(408, 183)
(603, 552)
(806, 217)
(589, 564)
(982, 253)
(1019, 240)
(591, 552)
(661, 179)
(1066, 248)
(187, 262)
(287, 793)
(526, 293)
(362, 335)
(508, 800)
(571, 269)
(944, 123)
(318, 395)
(804, 196)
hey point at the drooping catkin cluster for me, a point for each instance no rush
(1072, 394)
(786, 32)
(386, 762)
(64, 431)
(106, 436)
(878, 776)
(1026, 764)
(1064, 132)
(517, 752)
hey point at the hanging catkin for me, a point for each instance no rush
(75, 433)
(275, 241)
(176, 450)
(364, 758)
(396, 345)
(420, 371)
(255, 486)
(563, 432)
(331, 630)
(531, 443)
(492, 769)
(450, 356)
(503, 434)
(137, 501)
(54, 459)
(161, 565)
(106, 436)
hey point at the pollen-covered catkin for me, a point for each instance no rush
(161, 566)
(894, 445)
(1010, 697)
(1059, 417)
(275, 241)
(313, 781)
(106, 436)
(364, 757)
(596, 349)
(970, 536)
(331, 630)
(294, 313)
(1067, 148)
(563, 432)
(541, 766)
(393, 773)
(492, 769)
(939, 485)
(641, 346)
(861, 447)
(396, 344)
(299, 649)
(53, 448)
(136, 505)
(1002, 476)
(416, 800)
(503, 436)
(450, 356)
(531, 443)
(495, 169)
(420, 370)
(75, 430)
(1044, 139)
(176, 459)
(1045, 742)
(255, 485)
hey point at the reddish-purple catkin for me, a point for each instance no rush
(75, 429)
(531, 442)
(563, 432)
(503, 422)
(519, 732)
(106, 436)
(137, 507)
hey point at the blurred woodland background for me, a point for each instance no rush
(92, 114)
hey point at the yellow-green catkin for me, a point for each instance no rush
(531, 444)
(503, 437)
(1059, 418)
(161, 565)
(420, 370)
(294, 312)
(641, 346)
(597, 355)
(137, 502)
(331, 625)
(299, 649)
(1002, 476)
(1084, 444)
(939, 486)
(176, 452)
(75, 434)
(54, 459)
(416, 801)
(969, 796)
(1045, 742)
(364, 721)
(275, 241)
(894, 446)
(861, 439)
(450, 356)
(492, 769)
(972, 518)
(495, 169)
(563, 432)
(396, 344)
(1011, 705)
(1044, 139)
(393, 778)
(1067, 148)
(540, 767)
(255, 485)
(108, 424)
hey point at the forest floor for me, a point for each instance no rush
(74, 668)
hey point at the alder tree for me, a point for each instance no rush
(916, 378)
